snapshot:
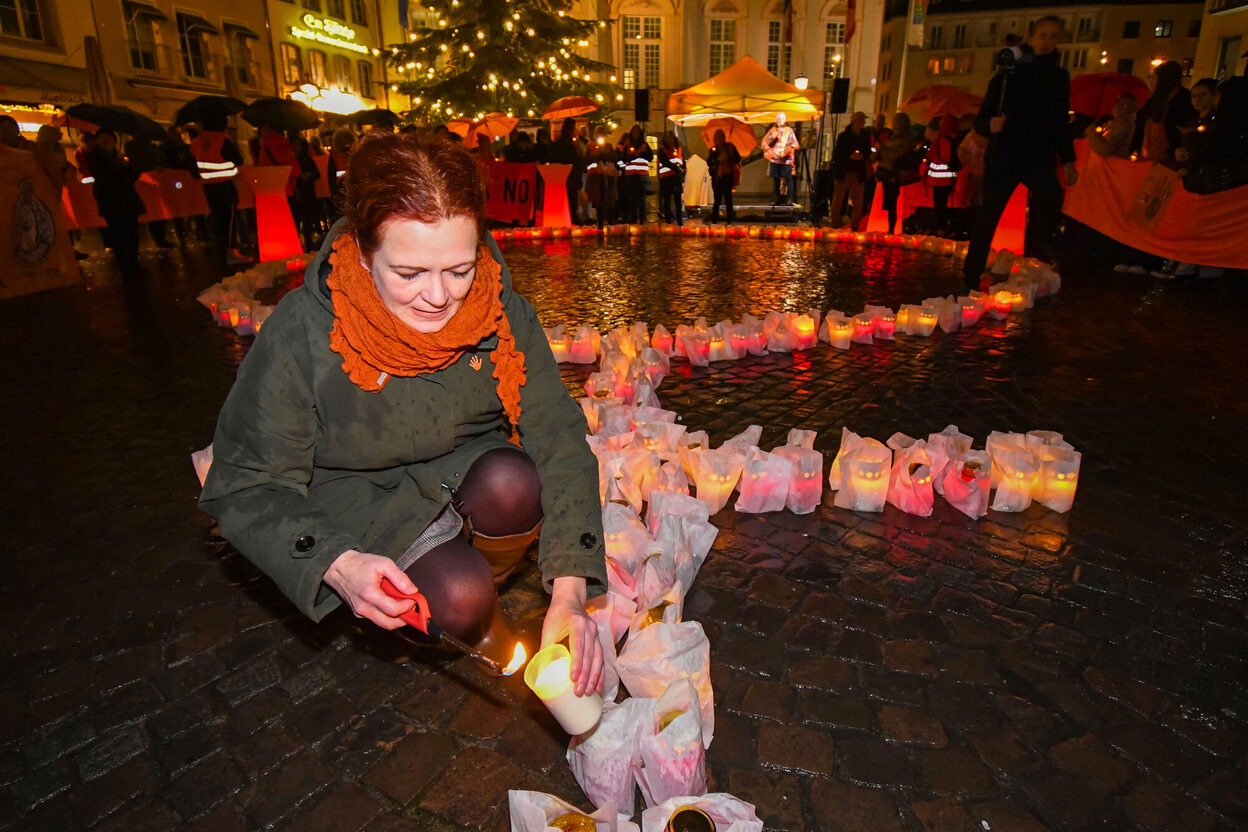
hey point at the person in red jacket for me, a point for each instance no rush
(941, 168)
(217, 160)
(274, 149)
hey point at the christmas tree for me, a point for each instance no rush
(510, 56)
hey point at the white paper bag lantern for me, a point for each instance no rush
(606, 760)
(671, 479)
(744, 440)
(661, 340)
(806, 480)
(662, 653)
(966, 483)
(806, 330)
(864, 328)
(1018, 470)
(560, 344)
(1059, 477)
(943, 448)
(840, 331)
(673, 757)
(865, 477)
(764, 482)
(910, 482)
(779, 334)
(849, 441)
(800, 438)
(716, 477)
(583, 348)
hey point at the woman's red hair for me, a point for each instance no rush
(396, 176)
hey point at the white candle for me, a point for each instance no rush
(549, 675)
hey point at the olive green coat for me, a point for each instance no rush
(306, 465)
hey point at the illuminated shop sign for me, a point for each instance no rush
(329, 32)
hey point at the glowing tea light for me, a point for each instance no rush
(1059, 478)
(549, 675)
(804, 328)
(885, 326)
(927, 320)
(840, 333)
(1002, 302)
(561, 349)
(864, 328)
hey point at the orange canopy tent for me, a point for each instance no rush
(747, 91)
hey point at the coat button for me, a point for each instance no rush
(589, 540)
(305, 543)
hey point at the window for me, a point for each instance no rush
(936, 38)
(316, 67)
(366, 78)
(948, 65)
(933, 66)
(142, 42)
(965, 62)
(240, 59)
(1130, 29)
(1079, 59)
(359, 12)
(335, 8)
(641, 42)
(723, 44)
(779, 53)
(191, 41)
(292, 71)
(342, 73)
(313, 5)
(1126, 66)
(833, 51)
(1162, 29)
(959, 36)
(20, 19)
(1083, 31)
(1193, 27)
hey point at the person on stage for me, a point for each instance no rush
(780, 149)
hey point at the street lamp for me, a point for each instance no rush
(801, 81)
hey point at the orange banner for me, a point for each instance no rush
(36, 253)
(1147, 207)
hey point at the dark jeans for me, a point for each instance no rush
(890, 191)
(1044, 206)
(221, 199)
(670, 190)
(722, 188)
(782, 172)
(123, 236)
(634, 198)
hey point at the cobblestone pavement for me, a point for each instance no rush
(873, 672)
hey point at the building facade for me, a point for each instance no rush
(959, 39)
(155, 55)
(327, 53)
(1223, 48)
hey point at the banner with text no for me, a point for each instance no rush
(512, 191)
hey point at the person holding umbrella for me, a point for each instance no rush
(724, 164)
(217, 159)
(116, 199)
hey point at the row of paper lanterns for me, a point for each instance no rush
(702, 343)
(233, 303)
(916, 242)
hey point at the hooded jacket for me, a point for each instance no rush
(306, 465)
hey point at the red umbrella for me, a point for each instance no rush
(735, 130)
(1094, 95)
(569, 106)
(942, 99)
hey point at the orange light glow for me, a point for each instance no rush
(517, 660)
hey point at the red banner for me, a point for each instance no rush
(513, 187)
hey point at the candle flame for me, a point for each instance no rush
(517, 660)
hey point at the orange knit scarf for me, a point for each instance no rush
(375, 344)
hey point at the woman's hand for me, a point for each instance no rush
(567, 617)
(356, 577)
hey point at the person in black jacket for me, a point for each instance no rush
(1025, 116)
(851, 157)
(724, 164)
(116, 198)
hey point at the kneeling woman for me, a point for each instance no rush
(366, 436)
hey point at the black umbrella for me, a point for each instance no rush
(119, 119)
(281, 114)
(379, 116)
(208, 107)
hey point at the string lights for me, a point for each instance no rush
(488, 56)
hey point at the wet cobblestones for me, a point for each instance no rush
(873, 672)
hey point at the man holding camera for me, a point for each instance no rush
(1025, 116)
